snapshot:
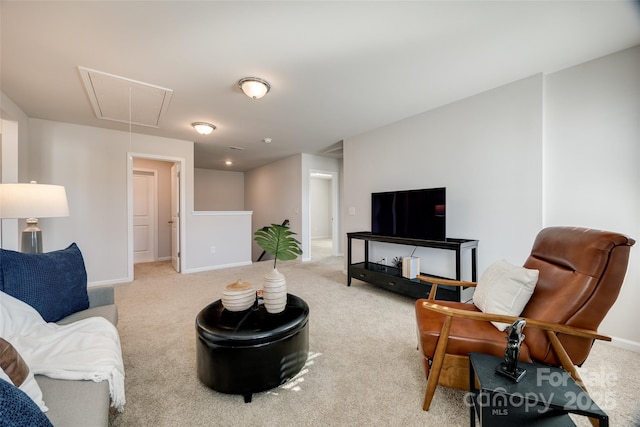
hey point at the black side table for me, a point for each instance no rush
(544, 397)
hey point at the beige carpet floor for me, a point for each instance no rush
(363, 366)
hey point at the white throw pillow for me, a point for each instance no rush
(504, 288)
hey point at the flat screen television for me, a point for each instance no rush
(417, 214)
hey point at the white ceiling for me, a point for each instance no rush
(336, 69)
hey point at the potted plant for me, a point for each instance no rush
(276, 240)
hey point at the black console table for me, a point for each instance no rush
(391, 278)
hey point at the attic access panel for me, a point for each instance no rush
(124, 100)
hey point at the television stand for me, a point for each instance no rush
(391, 278)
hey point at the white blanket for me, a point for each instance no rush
(88, 349)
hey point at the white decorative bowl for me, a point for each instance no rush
(238, 296)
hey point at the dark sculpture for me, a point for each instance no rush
(509, 368)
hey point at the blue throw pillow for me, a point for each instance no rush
(54, 283)
(18, 410)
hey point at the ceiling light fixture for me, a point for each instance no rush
(254, 87)
(203, 128)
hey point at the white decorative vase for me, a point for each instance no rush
(274, 292)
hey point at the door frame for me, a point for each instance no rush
(182, 247)
(175, 196)
(9, 129)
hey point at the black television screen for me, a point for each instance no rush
(418, 214)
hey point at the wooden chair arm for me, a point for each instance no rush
(490, 317)
(446, 282)
(435, 281)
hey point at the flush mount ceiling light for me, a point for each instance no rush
(203, 128)
(254, 87)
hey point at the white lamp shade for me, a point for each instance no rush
(33, 201)
(254, 87)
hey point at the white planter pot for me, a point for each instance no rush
(274, 292)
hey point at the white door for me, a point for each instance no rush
(144, 215)
(175, 216)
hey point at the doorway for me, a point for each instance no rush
(156, 229)
(323, 214)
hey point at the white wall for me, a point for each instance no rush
(216, 190)
(558, 150)
(14, 143)
(92, 165)
(592, 158)
(274, 193)
(486, 150)
(280, 190)
(9, 238)
(219, 239)
(10, 111)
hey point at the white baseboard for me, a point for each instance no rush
(108, 282)
(217, 267)
(626, 344)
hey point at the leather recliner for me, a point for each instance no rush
(580, 275)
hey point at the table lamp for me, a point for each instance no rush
(32, 201)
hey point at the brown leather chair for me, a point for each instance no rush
(580, 275)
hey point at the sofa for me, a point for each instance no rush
(81, 403)
(70, 402)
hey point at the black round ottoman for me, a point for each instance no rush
(250, 351)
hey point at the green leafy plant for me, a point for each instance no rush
(278, 240)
